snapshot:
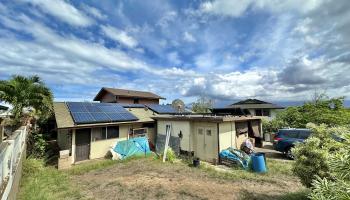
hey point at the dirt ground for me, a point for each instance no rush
(151, 179)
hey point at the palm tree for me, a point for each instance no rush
(26, 92)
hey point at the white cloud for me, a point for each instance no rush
(236, 8)
(189, 37)
(63, 10)
(168, 17)
(94, 12)
(222, 7)
(119, 36)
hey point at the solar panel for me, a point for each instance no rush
(82, 117)
(85, 112)
(162, 109)
(75, 107)
(101, 117)
(127, 105)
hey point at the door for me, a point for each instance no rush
(82, 144)
(206, 145)
(200, 151)
(210, 144)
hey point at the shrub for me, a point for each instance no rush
(311, 157)
(323, 164)
(36, 145)
(337, 186)
(170, 155)
(310, 161)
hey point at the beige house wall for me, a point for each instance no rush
(100, 148)
(73, 146)
(227, 136)
(186, 143)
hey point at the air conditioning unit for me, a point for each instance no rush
(139, 132)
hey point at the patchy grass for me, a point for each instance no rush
(46, 183)
(276, 169)
(149, 178)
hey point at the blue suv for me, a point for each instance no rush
(285, 139)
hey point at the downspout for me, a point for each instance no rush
(231, 133)
(219, 161)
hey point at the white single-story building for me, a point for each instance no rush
(205, 135)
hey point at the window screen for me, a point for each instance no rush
(99, 134)
(200, 131)
(208, 132)
(112, 132)
(258, 112)
(266, 112)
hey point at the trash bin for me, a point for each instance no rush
(196, 162)
(267, 137)
(258, 163)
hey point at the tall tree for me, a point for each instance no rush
(27, 92)
(203, 105)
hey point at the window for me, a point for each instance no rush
(208, 132)
(289, 133)
(258, 112)
(148, 125)
(266, 112)
(304, 134)
(136, 101)
(200, 131)
(262, 112)
(108, 132)
(112, 132)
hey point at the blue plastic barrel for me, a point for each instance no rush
(258, 163)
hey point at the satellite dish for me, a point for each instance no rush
(178, 105)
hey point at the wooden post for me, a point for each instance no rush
(167, 138)
(1, 133)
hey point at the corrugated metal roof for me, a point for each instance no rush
(209, 118)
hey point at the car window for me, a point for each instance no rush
(289, 133)
(304, 134)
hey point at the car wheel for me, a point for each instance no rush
(289, 153)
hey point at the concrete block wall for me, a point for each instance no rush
(174, 143)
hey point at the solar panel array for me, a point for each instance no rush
(162, 109)
(129, 105)
(85, 112)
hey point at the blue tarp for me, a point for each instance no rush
(131, 147)
(237, 156)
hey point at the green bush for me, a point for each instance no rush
(311, 160)
(311, 157)
(170, 155)
(323, 164)
(36, 145)
(337, 185)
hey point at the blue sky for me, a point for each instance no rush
(227, 50)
